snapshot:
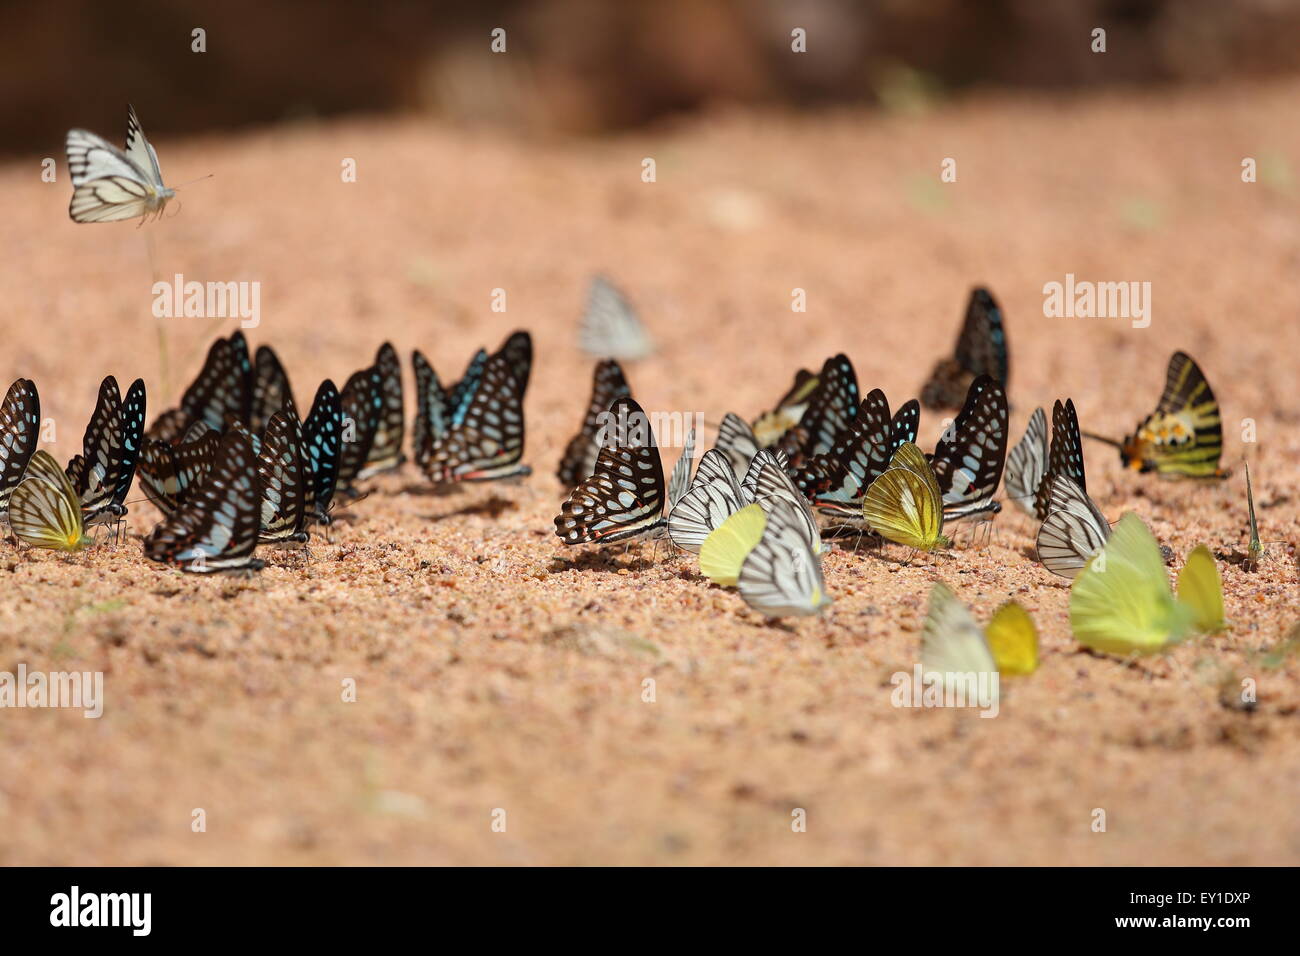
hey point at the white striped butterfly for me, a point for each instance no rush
(772, 483)
(386, 446)
(102, 474)
(20, 424)
(216, 530)
(169, 473)
(44, 510)
(607, 384)
(736, 440)
(782, 575)
(1073, 530)
(109, 184)
(969, 457)
(981, 350)
(714, 496)
(610, 326)
(1027, 464)
(624, 498)
(1065, 456)
(680, 479)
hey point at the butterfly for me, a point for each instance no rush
(770, 426)
(286, 507)
(624, 498)
(969, 457)
(322, 439)
(223, 389)
(1066, 454)
(108, 184)
(768, 482)
(1073, 530)
(102, 474)
(736, 440)
(904, 505)
(1120, 602)
(607, 384)
(1201, 589)
(486, 442)
(271, 388)
(610, 327)
(20, 424)
(170, 473)
(833, 405)
(518, 352)
(1183, 437)
(1027, 464)
(953, 643)
(680, 479)
(216, 530)
(981, 350)
(44, 510)
(714, 495)
(386, 446)
(763, 550)
(362, 402)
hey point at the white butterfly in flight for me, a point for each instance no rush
(108, 184)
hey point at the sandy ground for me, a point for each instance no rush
(494, 669)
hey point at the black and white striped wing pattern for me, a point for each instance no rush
(1027, 464)
(610, 326)
(361, 402)
(222, 388)
(322, 439)
(839, 478)
(216, 530)
(110, 450)
(969, 458)
(714, 496)
(624, 499)
(386, 446)
(284, 513)
(1073, 530)
(430, 409)
(109, 184)
(831, 409)
(736, 440)
(607, 385)
(20, 426)
(774, 484)
(680, 479)
(781, 577)
(767, 456)
(1065, 456)
(487, 442)
(271, 388)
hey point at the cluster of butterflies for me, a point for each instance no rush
(234, 467)
(825, 457)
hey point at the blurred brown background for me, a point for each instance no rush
(582, 66)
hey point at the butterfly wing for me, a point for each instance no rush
(610, 326)
(982, 345)
(518, 353)
(736, 440)
(624, 498)
(1013, 639)
(680, 479)
(140, 150)
(833, 406)
(1027, 463)
(774, 484)
(1120, 603)
(430, 409)
(44, 510)
(487, 442)
(271, 388)
(969, 458)
(386, 445)
(859, 456)
(284, 512)
(1066, 454)
(1184, 436)
(781, 576)
(361, 404)
(906, 421)
(1201, 589)
(952, 643)
(322, 439)
(607, 384)
(20, 424)
(724, 550)
(107, 186)
(770, 426)
(714, 495)
(1072, 531)
(904, 504)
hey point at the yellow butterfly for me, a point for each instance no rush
(904, 504)
(1183, 436)
(1120, 602)
(728, 545)
(1200, 588)
(45, 511)
(953, 642)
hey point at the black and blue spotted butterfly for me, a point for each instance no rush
(322, 439)
(169, 474)
(20, 424)
(969, 457)
(386, 446)
(831, 408)
(110, 449)
(271, 388)
(286, 509)
(981, 350)
(362, 401)
(216, 530)
(222, 390)
(607, 384)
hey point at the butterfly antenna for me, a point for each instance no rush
(193, 181)
(1103, 439)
